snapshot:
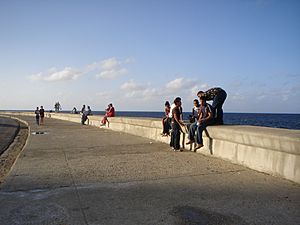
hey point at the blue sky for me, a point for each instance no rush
(137, 53)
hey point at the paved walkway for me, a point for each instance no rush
(77, 174)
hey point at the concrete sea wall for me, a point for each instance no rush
(270, 150)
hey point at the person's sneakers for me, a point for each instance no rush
(190, 142)
(198, 146)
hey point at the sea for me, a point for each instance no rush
(287, 121)
(275, 120)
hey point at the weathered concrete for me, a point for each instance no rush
(270, 150)
(83, 175)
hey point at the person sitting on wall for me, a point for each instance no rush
(74, 110)
(166, 120)
(109, 112)
(205, 119)
(194, 116)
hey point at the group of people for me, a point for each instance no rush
(203, 115)
(109, 112)
(85, 113)
(39, 115)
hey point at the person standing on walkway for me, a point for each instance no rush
(82, 109)
(176, 122)
(82, 115)
(218, 96)
(85, 114)
(42, 114)
(37, 115)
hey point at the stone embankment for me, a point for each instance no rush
(270, 150)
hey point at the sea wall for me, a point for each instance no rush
(270, 150)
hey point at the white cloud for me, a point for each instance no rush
(103, 94)
(180, 83)
(110, 68)
(113, 73)
(53, 75)
(132, 89)
(107, 69)
(131, 86)
(109, 64)
(35, 77)
(147, 93)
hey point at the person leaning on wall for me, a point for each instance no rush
(218, 96)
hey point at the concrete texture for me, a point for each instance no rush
(270, 150)
(77, 174)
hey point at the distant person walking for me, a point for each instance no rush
(218, 96)
(42, 114)
(37, 116)
(85, 114)
(82, 109)
(57, 107)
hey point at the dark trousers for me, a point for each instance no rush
(192, 131)
(175, 136)
(217, 105)
(166, 125)
(83, 119)
(37, 118)
(200, 128)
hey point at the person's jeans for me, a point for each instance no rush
(192, 130)
(200, 128)
(175, 136)
(37, 118)
(83, 119)
(166, 125)
(217, 105)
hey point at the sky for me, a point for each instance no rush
(137, 54)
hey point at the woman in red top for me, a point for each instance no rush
(109, 112)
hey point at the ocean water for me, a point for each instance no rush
(288, 121)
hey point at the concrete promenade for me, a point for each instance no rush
(74, 174)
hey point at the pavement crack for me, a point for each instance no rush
(76, 189)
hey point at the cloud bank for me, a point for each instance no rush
(53, 74)
(110, 68)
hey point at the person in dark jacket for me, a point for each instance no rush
(218, 96)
